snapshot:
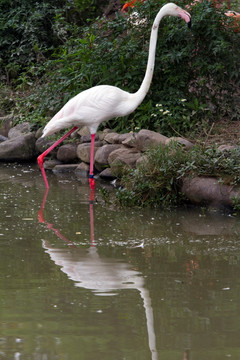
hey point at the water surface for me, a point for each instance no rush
(82, 281)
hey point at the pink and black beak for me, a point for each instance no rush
(188, 19)
(185, 16)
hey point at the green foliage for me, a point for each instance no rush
(157, 182)
(30, 30)
(200, 65)
(178, 115)
(6, 101)
(25, 33)
(236, 205)
(213, 162)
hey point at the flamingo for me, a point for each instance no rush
(103, 102)
(236, 20)
(134, 17)
(235, 25)
(129, 4)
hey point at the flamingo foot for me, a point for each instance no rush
(91, 183)
(40, 163)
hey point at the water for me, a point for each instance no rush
(82, 281)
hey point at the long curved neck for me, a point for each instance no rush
(141, 93)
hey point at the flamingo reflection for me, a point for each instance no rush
(50, 226)
(186, 355)
(101, 275)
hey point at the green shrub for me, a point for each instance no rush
(30, 29)
(201, 66)
(157, 182)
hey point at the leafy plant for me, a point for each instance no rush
(178, 115)
(30, 30)
(157, 182)
(201, 65)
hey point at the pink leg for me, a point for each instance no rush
(91, 179)
(41, 157)
(91, 202)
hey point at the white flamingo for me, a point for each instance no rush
(104, 102)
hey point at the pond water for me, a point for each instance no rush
(92, 281)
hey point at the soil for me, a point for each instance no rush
(224, 132)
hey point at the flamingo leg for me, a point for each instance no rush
(91, 179)
(41, 157)
(91, 202)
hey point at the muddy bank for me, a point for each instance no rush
(22, 144)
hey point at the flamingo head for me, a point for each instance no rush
(175, 10)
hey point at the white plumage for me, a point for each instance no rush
(104, 102)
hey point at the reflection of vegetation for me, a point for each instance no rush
(194, 297)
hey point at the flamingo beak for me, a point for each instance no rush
(185, 16)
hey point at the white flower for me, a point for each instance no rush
(166, 112)
(183, 100)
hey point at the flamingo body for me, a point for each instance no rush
(91, 107)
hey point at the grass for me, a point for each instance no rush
(157, 181)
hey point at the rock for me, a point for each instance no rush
(142, 160)
(110, 137)
(43, 144)
(187, 144)
(21, 148)
(227, 147)
(147, 138)
(39, 133)
(82, 170)
(64, 168)
(104, 133)
(207, 190)
(124, 155)
(83, 151)
(19, 130)
(107, 174)
(3, 138)
(50, 164)
(67, 153)
(85, 139)
(115, 138)
(102, 153)
(83, 131)
(130, 140)
(6, 124)
(74, 135)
